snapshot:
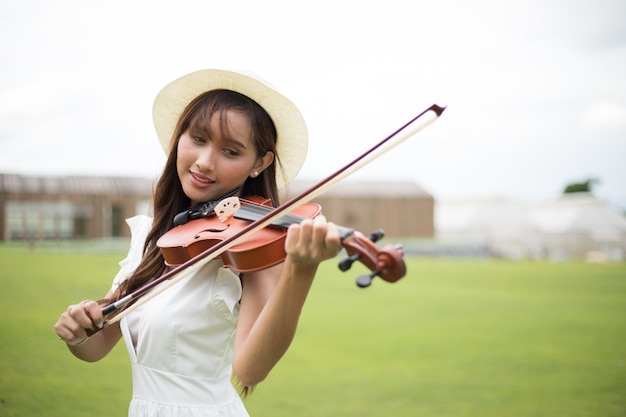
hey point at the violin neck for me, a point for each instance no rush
(252, 212)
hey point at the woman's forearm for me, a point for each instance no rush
(98, 345)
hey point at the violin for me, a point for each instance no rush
(266, 247)
(386, 263)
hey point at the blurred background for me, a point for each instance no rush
(525, 164)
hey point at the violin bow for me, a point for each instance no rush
(153, 288)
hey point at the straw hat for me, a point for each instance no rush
(292, 137)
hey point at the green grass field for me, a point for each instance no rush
(453, 338)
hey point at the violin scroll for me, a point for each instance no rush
(386, 263)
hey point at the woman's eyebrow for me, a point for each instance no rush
(236, 142)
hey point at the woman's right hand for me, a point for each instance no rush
(74, 323)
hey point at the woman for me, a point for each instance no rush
(226, 134)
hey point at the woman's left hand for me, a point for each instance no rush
(312, 241)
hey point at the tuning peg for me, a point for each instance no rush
(346, 263)
(364, 281)
(377, 235)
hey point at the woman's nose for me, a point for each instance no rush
(206, 160)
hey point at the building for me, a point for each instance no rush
(402, 209)
(80, 207)
(37, 208)
(580, 225)
(573, 226)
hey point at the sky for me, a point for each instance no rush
(535, 90)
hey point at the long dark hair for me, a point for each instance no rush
(169, 198)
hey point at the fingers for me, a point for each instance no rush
(73, 324)
(325, 237)
(313, 240)
(93, 312)
(333, 237)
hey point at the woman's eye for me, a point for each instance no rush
(231, 152)
(198, 139)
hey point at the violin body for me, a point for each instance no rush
(261, 250)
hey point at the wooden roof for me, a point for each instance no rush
(366, 189)
(97, 185)
(74, 185)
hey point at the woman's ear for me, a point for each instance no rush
(262, 163)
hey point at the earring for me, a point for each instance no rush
(255, 174)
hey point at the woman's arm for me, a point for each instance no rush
(272, 299)
(72, 327)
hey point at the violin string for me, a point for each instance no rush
(257, 211)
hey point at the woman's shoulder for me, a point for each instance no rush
(140, 226)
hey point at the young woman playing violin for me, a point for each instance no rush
(225, 134)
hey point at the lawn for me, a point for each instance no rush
(452, 338)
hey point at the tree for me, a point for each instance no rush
(581, 187)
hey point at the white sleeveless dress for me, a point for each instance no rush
(180, 343)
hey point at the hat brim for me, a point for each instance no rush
(292, 136)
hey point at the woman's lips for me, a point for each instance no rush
(200, 180)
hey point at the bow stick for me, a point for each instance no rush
(155, 287)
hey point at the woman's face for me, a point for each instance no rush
(217, 160)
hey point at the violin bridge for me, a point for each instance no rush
(226, 208)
